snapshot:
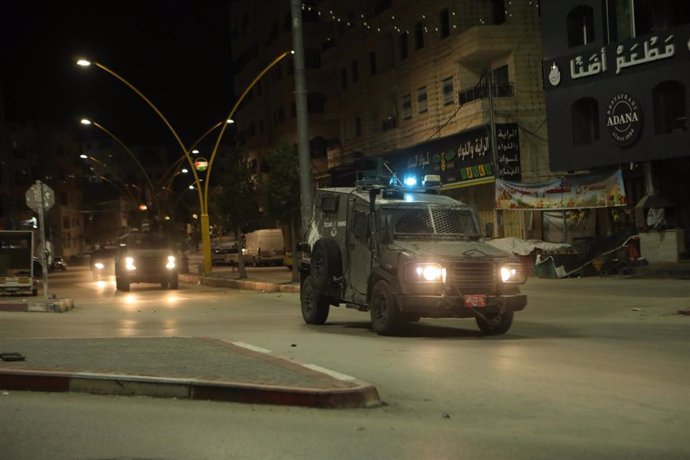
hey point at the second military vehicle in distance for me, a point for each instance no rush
(146, 257)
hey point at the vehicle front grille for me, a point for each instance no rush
(472, 277)
(150, 263)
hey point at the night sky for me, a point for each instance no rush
(175, 52)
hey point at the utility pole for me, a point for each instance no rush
(305, 176)
(492, 140)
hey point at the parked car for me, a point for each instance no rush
(225, 255)
(264, 247)
(58, 264)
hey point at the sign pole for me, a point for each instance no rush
(41, 225)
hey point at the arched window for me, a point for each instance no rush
(580, 25)
(585, 116)
(670, 113)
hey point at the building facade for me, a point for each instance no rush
(49, 153)
(448, 87)
(616, 81)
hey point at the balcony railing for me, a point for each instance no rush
(481, 92)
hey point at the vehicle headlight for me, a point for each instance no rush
(426, 273)
(172, 263)
(512, 273)
(244, 251)
(99, 265)
(129, 263)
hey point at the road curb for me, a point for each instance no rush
(49, 306)
(363, 395)
(213, 281)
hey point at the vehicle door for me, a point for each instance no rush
(358, 265)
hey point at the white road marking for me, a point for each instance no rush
(334, 374)
(251, 347)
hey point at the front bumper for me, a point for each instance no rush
(444, 306)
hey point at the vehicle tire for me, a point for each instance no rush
(314, 303)
(174, 282)
(386, 317)
(496, 324)
(326, 261)
(121, 284)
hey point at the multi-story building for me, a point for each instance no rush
(49, 153)
(448, 87)
(617, 76)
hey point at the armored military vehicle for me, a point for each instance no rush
(402, 254)
(146, 257)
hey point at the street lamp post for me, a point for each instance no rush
(202, 192)
(87, 122)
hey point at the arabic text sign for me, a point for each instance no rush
(572, 192)
(615, 58)
(464, 156)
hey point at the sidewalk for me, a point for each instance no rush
(177, 367)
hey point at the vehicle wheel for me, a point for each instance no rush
(174, 282)
(325, 261)
(386, 318)
(121, 284)
(314, 303)
(495, 324)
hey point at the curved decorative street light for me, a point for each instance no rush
(202, 192)
(87, 122)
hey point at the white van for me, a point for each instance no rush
(264, 247)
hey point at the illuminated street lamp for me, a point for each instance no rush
(202, 192)
(87, 122)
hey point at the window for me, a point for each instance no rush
(403, 46)
(252, 129)
(580, 24)
(360, 226)
(407, 107)
(670, 114)
(498, 8)
(632, 18)
(343, 78)
(64, 201)
(355, 72)
(585, 117)
(372, 63)
(447, 90)
(358, 126)
(418, 36)
(65, 222)
(444, 22)
(421, 100)
(312, 58)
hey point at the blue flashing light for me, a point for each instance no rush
(410, 181)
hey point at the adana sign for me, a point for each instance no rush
(623, 119)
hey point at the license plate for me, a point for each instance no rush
(475, 300)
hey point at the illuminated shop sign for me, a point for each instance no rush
(617, 59)
(464, 156)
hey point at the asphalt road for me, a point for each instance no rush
(593, 368)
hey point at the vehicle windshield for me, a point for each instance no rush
(432, 222)
(147, 241)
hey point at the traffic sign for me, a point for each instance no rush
(40, 197)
